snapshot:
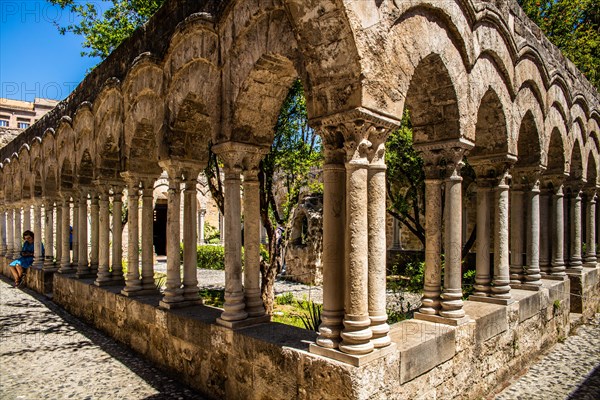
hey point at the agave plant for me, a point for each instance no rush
(312, 318)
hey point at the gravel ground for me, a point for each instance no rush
(570, 370)
(45, 353)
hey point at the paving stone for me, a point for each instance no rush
(45, 353)
(570, 370)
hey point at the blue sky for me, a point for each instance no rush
(35, 60)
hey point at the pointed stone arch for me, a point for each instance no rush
(491, 129)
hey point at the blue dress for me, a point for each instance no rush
(24, 262)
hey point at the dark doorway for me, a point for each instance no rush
(160, 229)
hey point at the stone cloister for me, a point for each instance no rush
(482, 84)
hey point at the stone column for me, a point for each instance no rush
(117, 236)
(103, 277)
(27, 219)
(18, 234)
(58, 239)
(173, 293)
(75, 236)
(148, 285)
(545, 229)
(201, 216)
(132, 278)
(10, 234)
(334, 222)
(516, 235)
(500, 283)
(95, 231)
(65, 261)
(254, 302)
(483, 279)
(190, 252)
(558, 236)
(234, 306)
(590, 254)
(532, 270)
(430, 303)
(575, 262)
(396, 245)
(356, 334)
(48, 236)
(2, 233)
(38, 258)
(452, 303)
(376, 213)
(83, 270)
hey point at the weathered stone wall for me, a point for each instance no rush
(270, 361)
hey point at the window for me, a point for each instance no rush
(22, 125)
(3, 122)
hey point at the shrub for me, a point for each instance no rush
(211, 257)
(287, 298)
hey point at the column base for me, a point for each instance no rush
(141, 292)
(443, 320)
(492, 300)
(106, 283)
(574, 271)
(244, 322)
(355, 360)
(526, 286)
(179, 304)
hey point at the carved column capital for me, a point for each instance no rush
(237, 156)
(492, 172)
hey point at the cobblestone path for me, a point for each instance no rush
(46, 353)
(570, 370)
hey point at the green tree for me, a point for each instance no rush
(104, 30)
(574, 27)
(293, 161)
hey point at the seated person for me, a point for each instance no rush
(20, 265)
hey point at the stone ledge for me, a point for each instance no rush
(491, 300)
(355, 360)
(442, 320)
(529, 303)
(490, 319)
(244, 323)
(416, 338)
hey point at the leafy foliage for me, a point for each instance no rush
(311, 318)
(211, 234)
(405, 179)
(104, 30)
(574, 27)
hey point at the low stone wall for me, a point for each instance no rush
(585, 292)
(35, 279)
(271, 361)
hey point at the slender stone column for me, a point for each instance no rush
(132, 279)
(117, 235)
(65, 261)
(95, 231)
(201, 217)
(483, 277)
(516, 235)
(173, 292)
(82, 234)
(501, 287)
(2, 233)
(254, 302)
(334, 221)
(532, 270)
(190, 239)
(48, 236)
(575, 262)
(38, 258)
(75, 236)
(58, 240)
(590, 255)
(452, 303)
(27, 219)
(148, 235)
(545, 229)
(234, 292)
(376, 210)
(558, 236)
(18, 234)
(10, 234)
(430, 303)
(356, 334)
(103, 277)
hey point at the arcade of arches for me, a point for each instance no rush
(480, 81)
